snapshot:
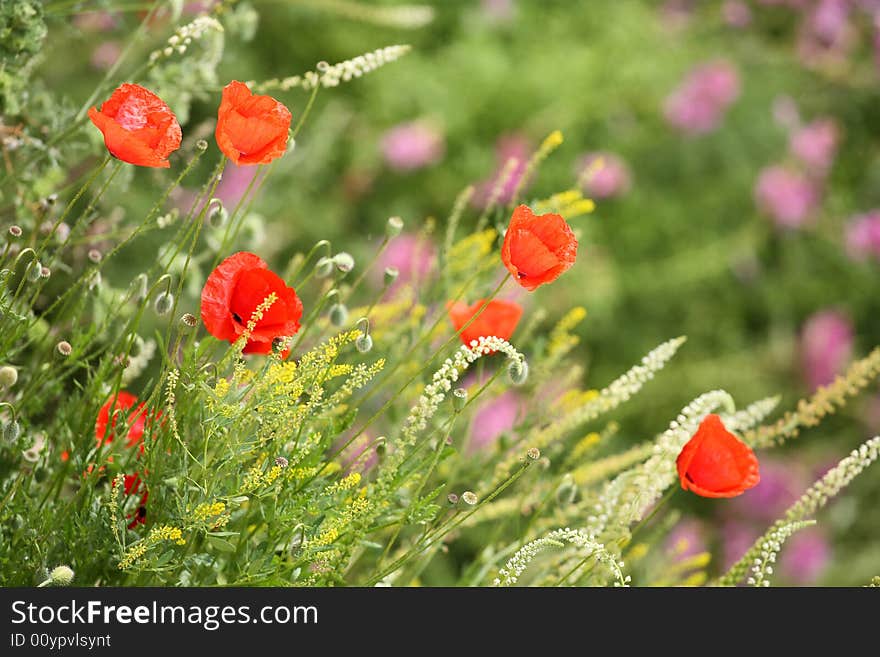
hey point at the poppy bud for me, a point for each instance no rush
(64, 348)
(34, 271)
(164, 302)
(344, 262)
(324, 267)
(139, 286)
(391, 274)
(45, 272)
(281, 462)
(189, 320)
(393, 226)
(61, 576)
(381, 447)
(217, 213)
(469, 498)
(567, 492)
(338, 314)
(364, 343)
(452, 498)
(518, 371)
(40, 475)
(11, 431)
(15, 231)
(533, 453)
(201, 145)
(459, 399)
(8, 376)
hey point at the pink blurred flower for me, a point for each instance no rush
(805, 556)
(492, 419)
(863, 236)
(826, 32)
(96, 21)
(413, 145)
(500, 11)
(676, 14)
(412, 255)
(786, 196)
(826, 346)
(508, 147)
(815, 145)
(609, 178)
(360, 456)
(736, 13)
(699, 103)
(781, 484)
(686, 539)
(105, 55)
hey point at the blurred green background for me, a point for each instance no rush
(685, 250)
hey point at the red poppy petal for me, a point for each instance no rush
(218, 291)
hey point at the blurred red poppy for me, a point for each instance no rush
(715, 463)
(251, 129)
(537, 249)
(138, 127)
(136, 420)
(499, 318)
(231, 295)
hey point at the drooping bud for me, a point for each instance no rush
(164, 302)
(324, 267)
(338, 314)
(344, 262)
(518, 371)
(11, 431)
(364, 343)
(34, 271)
(217, 213)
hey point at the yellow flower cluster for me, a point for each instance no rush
(158, 534)
(345, 483)
(561, 338)
(570, 204)
(470, 253)
(208, 510)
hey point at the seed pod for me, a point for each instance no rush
(64, 348)
(364, 343)
(189, 320)
(61, 576)
(15, 231)
(469, 497)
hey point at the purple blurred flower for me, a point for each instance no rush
(413, 256)
(604, 179)
(826, 346)
(863, 236)
(815, 145)
(105, 55)
(699, 103)
(413, 145)
(736, 13)
(736, 539)
(786, 195)
(508, 147)
(492, 419)
(805, 556)
(686, 539)
(360, 456)
(781, 484)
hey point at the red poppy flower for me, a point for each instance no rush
(537, 249)
(231, 295)
(715, 463)
(136, 420)
(499, 318)
(138, 127)
(251, 129)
